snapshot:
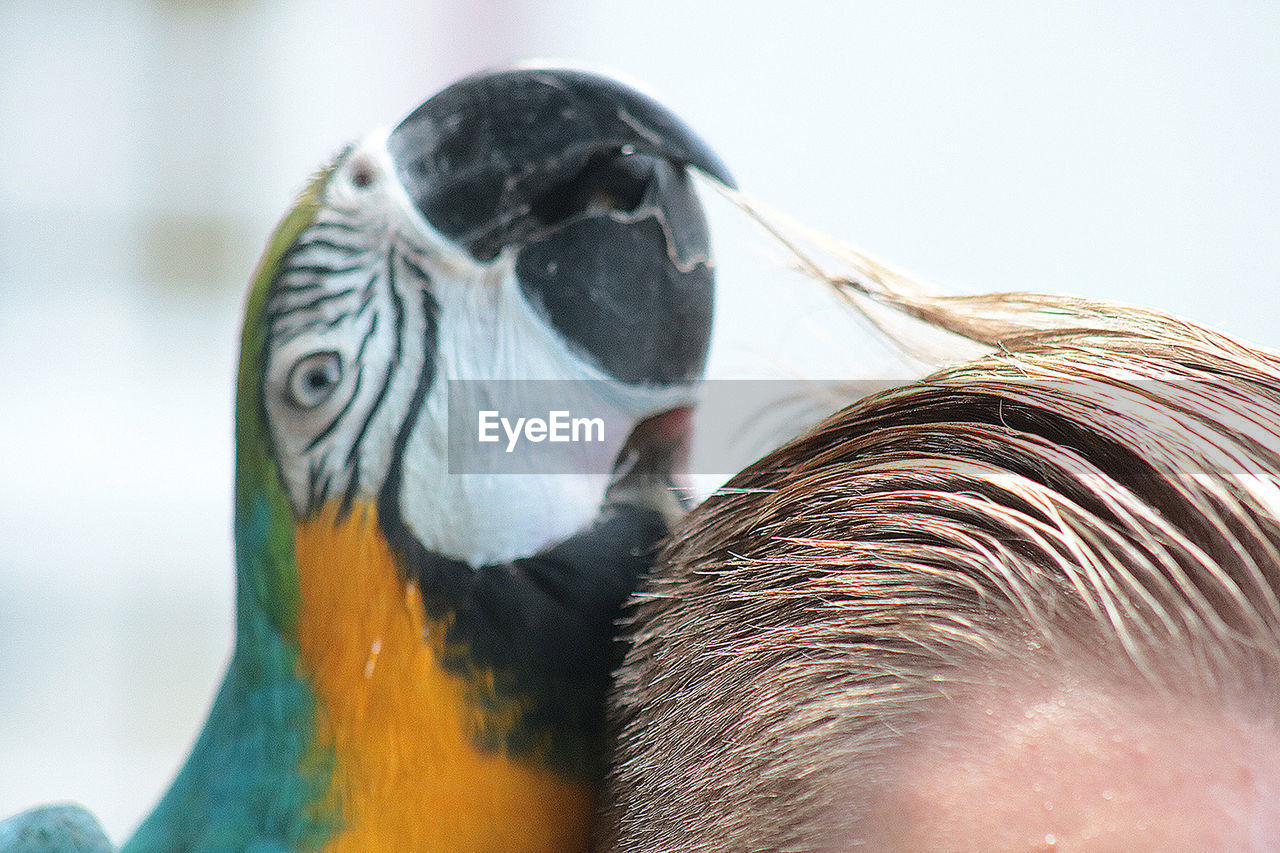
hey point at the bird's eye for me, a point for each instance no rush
(313, 379)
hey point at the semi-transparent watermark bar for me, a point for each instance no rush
(563, 427)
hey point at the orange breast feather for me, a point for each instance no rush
(408, 776)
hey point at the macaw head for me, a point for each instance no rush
(529, 224)
(525, 225)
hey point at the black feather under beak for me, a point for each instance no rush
(585, 180)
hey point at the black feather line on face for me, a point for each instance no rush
(389, 514)
(321, 269)
(316, 487)
(312, 304)
(319, 242)
(428, 361)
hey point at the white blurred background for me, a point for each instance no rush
(1120, 149)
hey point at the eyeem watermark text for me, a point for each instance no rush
(558, 426)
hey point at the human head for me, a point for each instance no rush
(1058, 565)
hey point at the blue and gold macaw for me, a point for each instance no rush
(421, 656)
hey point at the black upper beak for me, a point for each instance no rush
(480, 157)
(586, 181)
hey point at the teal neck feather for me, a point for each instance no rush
(256, 779)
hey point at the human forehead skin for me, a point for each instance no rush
(1074, 770)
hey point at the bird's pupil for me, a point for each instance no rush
(319, 378)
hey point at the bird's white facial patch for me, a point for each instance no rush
(346, 329)
(488, 330)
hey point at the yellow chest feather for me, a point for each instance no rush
(408, 776)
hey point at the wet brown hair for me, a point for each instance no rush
(1100, 490)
